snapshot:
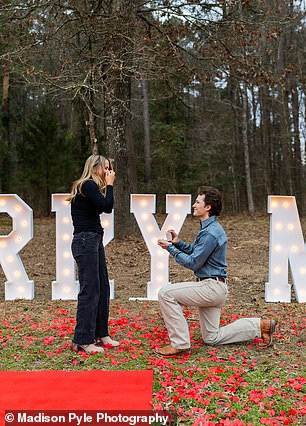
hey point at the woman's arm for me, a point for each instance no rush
(103, 204)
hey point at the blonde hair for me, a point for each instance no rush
(90, 172)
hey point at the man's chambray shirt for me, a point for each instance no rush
(206, 256)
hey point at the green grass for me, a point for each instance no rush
(223, 385)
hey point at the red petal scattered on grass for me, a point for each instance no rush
(183, 385)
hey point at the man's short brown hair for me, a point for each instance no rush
(212, 198)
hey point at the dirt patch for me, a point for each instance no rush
(129, 264)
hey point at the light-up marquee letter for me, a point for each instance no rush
(286, 244)
(17, 285)
(66, 287)
(143, 207)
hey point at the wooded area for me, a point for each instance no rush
(179, 93)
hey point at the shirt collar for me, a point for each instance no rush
(208, 221)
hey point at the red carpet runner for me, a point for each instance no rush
(67, 390)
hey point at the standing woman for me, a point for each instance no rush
(90, 196)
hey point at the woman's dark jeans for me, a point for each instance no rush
(93, 299)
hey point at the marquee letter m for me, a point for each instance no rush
(286, 247)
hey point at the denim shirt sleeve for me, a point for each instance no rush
(186, 248)
(202, 248)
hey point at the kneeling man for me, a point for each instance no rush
(206, 256)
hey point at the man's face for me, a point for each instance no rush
(200, 209)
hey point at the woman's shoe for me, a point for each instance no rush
(106, 341)
(89, 349)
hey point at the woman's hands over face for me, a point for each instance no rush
(109, 177)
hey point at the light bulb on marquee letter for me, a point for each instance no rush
(66, 287)
(143, 207)
(17, 285)
(286, 245)
(107, 222)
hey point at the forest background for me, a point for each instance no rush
(179, 93)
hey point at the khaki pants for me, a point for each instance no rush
(209, 296)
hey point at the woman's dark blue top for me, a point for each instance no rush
(87, 206)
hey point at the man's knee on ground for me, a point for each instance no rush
(211, 339)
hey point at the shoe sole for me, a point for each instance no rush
(78, 349)
(176, 355)
(272, 330)
(107, 346)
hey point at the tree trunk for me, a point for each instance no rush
(266, 144)
(6, 129)
(117, 115)
(117, 125)
(297, 171)
(247, 166)
(131, 169)
(92, 134)
(286, 163)
(146, 131)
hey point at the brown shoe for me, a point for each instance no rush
(267, 328)
(170, 352)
